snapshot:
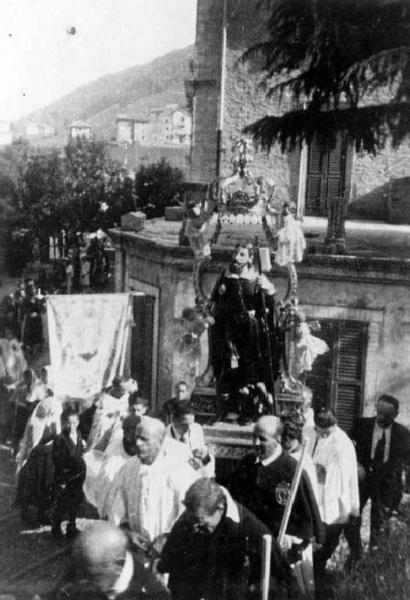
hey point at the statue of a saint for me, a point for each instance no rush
(242, 338)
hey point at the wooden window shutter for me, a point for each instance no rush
(326, 176)
(337, 377)
(142, 344)
(350, 361)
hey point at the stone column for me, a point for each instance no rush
(119, 269)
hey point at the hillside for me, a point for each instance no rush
(132, 91)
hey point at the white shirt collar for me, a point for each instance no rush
(125, 577)
(270, 459)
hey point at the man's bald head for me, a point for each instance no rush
(266, 435)
(150, 434)
(99, 554)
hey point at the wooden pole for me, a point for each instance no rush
(292, 495)
(219, 131)
(266, 559)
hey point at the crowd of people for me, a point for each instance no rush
(170, 526)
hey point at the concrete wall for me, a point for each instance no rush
(373, 291)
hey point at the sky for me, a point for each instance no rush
(50, 47)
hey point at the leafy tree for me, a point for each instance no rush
(157, 186)
(347, 60)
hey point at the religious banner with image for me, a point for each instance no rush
(88, 336)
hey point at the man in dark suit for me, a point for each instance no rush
(383, 452)
(214, 550)
(262, 483)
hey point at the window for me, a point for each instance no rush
(328, 171)
(338, 376)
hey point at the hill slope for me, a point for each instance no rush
(131, 91)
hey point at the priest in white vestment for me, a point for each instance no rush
(184, 429)
(334, 457)
(148, 491)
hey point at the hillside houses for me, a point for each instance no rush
(79, 129)
(167, 125)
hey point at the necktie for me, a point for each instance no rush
(379, 451)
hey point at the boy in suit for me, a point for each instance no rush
(69, 473)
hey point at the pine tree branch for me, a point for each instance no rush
(370, 127)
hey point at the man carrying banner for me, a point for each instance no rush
(262, 483)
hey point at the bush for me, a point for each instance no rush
(383, 572)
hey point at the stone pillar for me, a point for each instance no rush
(119, 269)
(205, 82)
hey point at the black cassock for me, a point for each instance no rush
(243, 346)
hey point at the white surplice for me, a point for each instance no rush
(338, 494)
(194, 438)
(149, 497)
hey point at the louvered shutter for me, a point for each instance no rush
(350, 358)
(142, 344)
(326, 175)
(337, 377)
(314, 179)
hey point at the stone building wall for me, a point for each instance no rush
(245, 101)
(372, 291)
(370, 190)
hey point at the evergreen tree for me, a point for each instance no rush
(157, 186)
(344, 63)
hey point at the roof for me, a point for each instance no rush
(81, 124)
(136, 118)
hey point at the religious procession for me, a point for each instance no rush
(204, 340)
(147, 499)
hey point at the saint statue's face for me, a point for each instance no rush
(241, 259)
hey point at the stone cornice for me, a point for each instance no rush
(164, 250)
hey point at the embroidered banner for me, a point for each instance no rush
(88, 336)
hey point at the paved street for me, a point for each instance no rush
(31, 560)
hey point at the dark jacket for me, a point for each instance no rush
(166, 411)
(387, 476)
(68, 462)
(222, 565)
(264, 491)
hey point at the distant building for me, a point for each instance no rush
(80, 129)
(6, 134)
(39, 131)
(170, 125)
(165, 126)
(131, 129)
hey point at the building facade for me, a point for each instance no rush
(227, 96)
(361, 303)
(80, 129)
